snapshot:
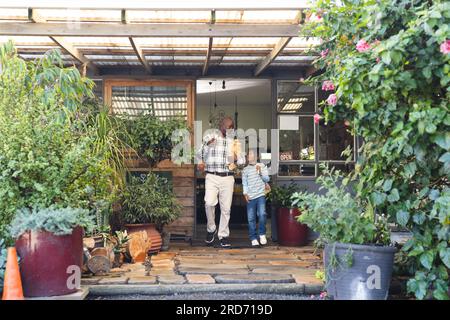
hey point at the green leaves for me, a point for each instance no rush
(393, 196)
(397, 95)
(444, 254)
(443, 140)
(402, 217)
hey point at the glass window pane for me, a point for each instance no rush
(343, 167)
(294, 97)
(333, 139)
(162, 101)
(297, 170)
(298, 144)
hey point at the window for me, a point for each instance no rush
(302, 143)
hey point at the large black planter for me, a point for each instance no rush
(369, 276)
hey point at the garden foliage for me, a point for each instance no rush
(386, 66)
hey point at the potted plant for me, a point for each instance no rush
(49, 242)
(119, 241)
(358, 257)
(289, 231)
(148, 203)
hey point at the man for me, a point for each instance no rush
(220, 153)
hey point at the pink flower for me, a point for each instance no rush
(323, 295)
(324, 53)
(378, 59)
(317, 118)
(332, 99)
(312, 296)
(445, 47)
(362, 45)
(328, 85)
(347, 123)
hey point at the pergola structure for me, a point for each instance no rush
(196, 38)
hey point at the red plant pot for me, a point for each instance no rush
(290, 231)
(47, 261)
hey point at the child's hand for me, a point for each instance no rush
(246, 198)
(258, 168)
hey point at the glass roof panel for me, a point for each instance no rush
(177, 42)
(27, 41)
(13, 14)
(80, 15)
(302, 42)
(254, 42)
(168, 16)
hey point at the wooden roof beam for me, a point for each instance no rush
(136, 48)
(88, 29)
(140, 55)
(210, 43)
(34, 16)
(282, 43)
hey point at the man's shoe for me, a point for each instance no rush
(210, 237)
(224, 243)
(255, 243)
(263, 240)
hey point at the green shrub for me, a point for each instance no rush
(59, 221)
(337, 215)
(48, 151)
(149, 199)
(151, 137)
(280, 196)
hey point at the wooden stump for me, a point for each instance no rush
(138, 246)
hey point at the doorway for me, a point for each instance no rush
(249, 103)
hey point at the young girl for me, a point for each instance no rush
(254, 178)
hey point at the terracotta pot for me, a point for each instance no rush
(47, 261)
(290, 231)
(152, 234)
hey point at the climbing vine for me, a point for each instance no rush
(385, 65)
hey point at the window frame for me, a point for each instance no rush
(316, 160)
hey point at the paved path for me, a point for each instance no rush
(204, 267)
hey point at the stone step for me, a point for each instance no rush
(211, 266)
(284, 270)
(254, 278)
(213, 271)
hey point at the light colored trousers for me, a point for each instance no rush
(218, 189)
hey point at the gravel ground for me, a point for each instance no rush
(206, 296)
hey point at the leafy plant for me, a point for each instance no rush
(388, 62)
(280, 196)
(337, 215)
(48, 152)
(59, 221)
(152, 137)
(149, 199)
(119, 241)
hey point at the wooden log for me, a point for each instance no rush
(89, 243)
(99, 264)
(104, 251)
(138, 246)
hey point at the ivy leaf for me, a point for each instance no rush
(445, 158)
(426, 259)
(410, 169)
(444, 254)
(387, 185)
(443, 140)
(402, 217)
(393, 196)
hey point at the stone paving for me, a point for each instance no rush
(209, 266)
